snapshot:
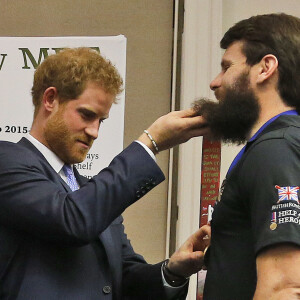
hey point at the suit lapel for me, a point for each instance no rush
(48, 170)
(80, 179)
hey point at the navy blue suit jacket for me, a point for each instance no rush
(58, 244)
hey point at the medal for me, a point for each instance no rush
(273, 226)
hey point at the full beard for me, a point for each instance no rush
(232, 119)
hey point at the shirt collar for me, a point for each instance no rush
(289, 112)
(55, 162)
(261, 129)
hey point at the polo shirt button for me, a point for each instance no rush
(106, 289)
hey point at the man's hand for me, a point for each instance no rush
(174, 128)
(188, 259)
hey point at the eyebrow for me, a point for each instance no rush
(225, 62)
(91, 114)
(87, 111)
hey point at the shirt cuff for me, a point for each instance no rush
(171, 291)
(147, 149)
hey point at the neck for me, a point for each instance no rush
(267, 113)
(37, 130)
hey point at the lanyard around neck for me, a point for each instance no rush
(240, 154)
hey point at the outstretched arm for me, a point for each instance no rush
(174, 128)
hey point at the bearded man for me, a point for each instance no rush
(255, 239)
(61, 236)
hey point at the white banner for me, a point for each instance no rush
(19, 57)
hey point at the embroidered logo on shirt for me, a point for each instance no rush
(287, 193)
(287, 209)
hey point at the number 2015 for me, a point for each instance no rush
(16, 129)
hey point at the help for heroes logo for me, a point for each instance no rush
(288, 209)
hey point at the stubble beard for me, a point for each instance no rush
(61, 141)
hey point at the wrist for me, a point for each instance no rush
(152, 140)
(171, 278)
(147, 140)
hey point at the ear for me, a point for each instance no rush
(50, 98)
(267, 67)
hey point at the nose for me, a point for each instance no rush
(92, 130)
(216, 83)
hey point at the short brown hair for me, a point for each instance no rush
(70, 70)
(277, 34)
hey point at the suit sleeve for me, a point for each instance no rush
(33, 202)
(139, 279)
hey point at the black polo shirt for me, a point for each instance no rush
(259, 208)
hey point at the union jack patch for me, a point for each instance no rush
(287, 193)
